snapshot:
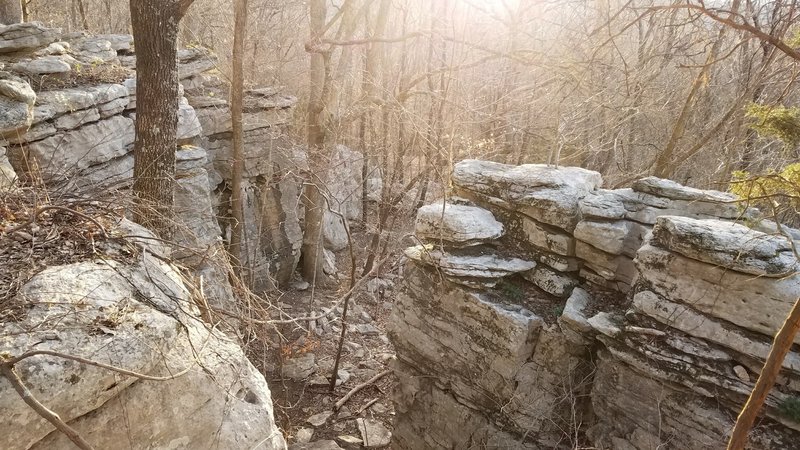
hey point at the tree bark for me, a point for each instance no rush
(155, 31)
(10, 12)
(780, 347)
(237, 92)
(312, 248)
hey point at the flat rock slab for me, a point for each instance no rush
(546, 193)
(458, 224)
(318, 420)
(676, 191)
(488, 266)
(299, 367)
(373, 433)
(726, 244)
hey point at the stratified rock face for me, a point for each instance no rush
(654, 311)
(20, 37)
(81, 138)
(343, 190)
(273, 169)
(131, 311)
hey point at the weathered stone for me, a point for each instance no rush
(478, 352)
(646, 208)
(688, 320)
(50, 104)
(344, 182)
(263, 151)
(7, 175)
(545, 193)
(573, 314)
(550, 281)
(485, 267)
(317, 420)
(620, 237)
(199, 233)
(16, 105)
(94, 50)
(611, 267)
(457, 224)
(548, 238)
(45, 66)
(755, 303)
(156, 338)
(373, 433)
(67, 152)
(117, 42)
(299, 367)
(670, 189)
(726, 244)
(303, 435)
(26, 36)
(195, 60)
(76, 119)
(605, 323)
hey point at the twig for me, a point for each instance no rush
(361, 386)
(12, 361)
(7, 370)
(364, 408)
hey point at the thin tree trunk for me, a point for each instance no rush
(84, 20)
(780, 347)
(155, 30)
(312, 248)
(236, 94)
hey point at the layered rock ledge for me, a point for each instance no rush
(578, 316)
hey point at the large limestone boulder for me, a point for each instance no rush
(545, 193)
(457, 224)
(129, 309)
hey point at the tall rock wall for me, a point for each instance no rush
(75, 129)
(542, 311)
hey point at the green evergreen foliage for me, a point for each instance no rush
(776, 121)
(790, 408)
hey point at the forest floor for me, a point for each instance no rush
(298, 361)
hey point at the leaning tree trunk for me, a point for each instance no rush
(155, 33)
(10, 12)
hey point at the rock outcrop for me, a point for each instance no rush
(77, 132)
(557, 314)
(128, 308)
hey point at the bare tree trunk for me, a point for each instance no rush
(772, 366)
(84, 20)
(155, 30)
(10, 12)
(236, 97)
(312, 248)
